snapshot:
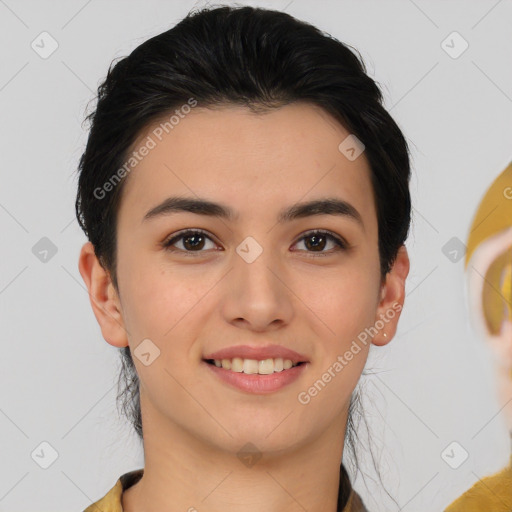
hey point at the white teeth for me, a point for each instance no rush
(253, 366)
(250, 366)
(237, 364)
(266, 367)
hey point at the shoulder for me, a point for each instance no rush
(491, 493)
(111, 502)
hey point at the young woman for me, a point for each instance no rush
(246, 200)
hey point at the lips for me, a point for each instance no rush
(258, 353)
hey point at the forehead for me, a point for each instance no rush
(256, 163)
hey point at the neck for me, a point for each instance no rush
(185, 472)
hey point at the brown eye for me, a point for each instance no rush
(316, 241)
(194, 241)
(191, 240)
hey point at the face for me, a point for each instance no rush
(256, 278)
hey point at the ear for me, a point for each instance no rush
(392, 298)
(103, 296)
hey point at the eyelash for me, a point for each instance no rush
(341, 245)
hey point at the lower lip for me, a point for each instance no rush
(256, 383)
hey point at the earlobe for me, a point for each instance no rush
(392, 299)
(103, 297)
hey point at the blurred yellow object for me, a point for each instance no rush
(494, 215)
(491, 494)
(506, 289)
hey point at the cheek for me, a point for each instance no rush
(158, 301)
(162, 305)
(346, 305)
(344, 301)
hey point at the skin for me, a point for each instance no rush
(189, 306)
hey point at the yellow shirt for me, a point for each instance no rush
(491, 494)
(111, 502)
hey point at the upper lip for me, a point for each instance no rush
(258, 353)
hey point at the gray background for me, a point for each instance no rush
(434, 383)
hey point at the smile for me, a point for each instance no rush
(262, 376)
(253, 366)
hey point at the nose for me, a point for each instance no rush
(255, 292)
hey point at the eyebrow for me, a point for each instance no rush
(324, 206)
